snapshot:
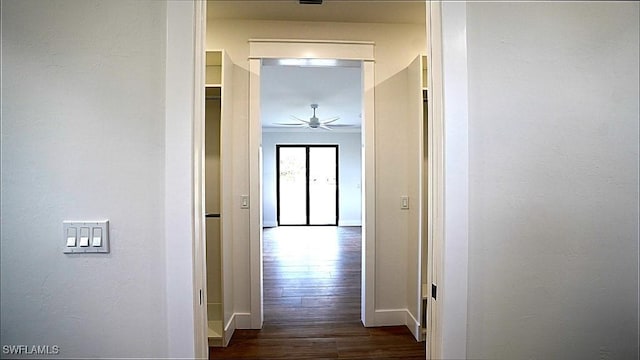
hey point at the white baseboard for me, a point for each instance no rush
(229, 329)
(396, 317)
(237, 321)
(414, 326)
(390, 317)
(242, 320)
(355, 222)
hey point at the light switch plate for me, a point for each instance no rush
(244, 202)
(404, 202)
(89, 248)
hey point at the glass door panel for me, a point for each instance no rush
(323, 181)
(292, 185)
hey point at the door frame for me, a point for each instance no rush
(188, 20)
(307, 185)
(320, 49)
(448, 168)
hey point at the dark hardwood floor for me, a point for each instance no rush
(312, 302)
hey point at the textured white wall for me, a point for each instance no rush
(396, 46)
(553, 137)
(350, 171)
(82, 138)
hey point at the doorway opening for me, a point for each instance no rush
(311, 182)
(252, 313)
(307, 185)
(353, 133)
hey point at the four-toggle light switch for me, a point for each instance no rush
(86, 237)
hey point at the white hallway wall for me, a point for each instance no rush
(527, 278)
(396, 46)
(553, 140)
(350, 172)
(106, 61)
(83, 138)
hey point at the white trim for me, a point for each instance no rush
(456, 181)
(368, 287)
(312, 41)
(435, 186)
(414, 326)
(390, 317)
(226, 195)
(416, 240)
(450, 173)
(199, 227)
(182, 302)
(306, 49)
(229, 329)
(255, 192)
(242, 320)
(362, 51)
(179, 289)
(393, 317)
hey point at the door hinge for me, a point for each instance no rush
(200, 297)
(434, 291)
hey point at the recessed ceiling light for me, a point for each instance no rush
(292, 62)
(308, 62)
(322, 62)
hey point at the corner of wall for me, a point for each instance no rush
(178, 187)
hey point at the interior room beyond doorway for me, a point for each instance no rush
(312, 301)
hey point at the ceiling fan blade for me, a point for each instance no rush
(342, 125)
(290, 124)
(330, 120)
(322, 126)
(301, 120)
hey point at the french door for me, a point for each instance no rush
(307, 184)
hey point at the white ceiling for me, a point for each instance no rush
(290, 90)
(360, 11)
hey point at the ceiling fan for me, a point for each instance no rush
(314, 122)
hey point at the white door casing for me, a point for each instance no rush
(315, 49)
(435, 169)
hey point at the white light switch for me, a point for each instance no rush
(72, 237)
(82, 237)
(244, 201)
(96, 240)
(404, 202)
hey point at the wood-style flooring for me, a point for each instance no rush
(312, 302)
